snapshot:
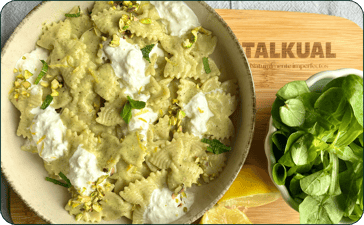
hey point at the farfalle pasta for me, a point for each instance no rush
(121, 101)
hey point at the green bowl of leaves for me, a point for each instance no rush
(314, 146)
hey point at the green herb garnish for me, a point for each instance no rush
(136, 104)
(74, 15)
(46, 102)
(319, 149)
(65, 179)
(67, 185)
(206, 65)
(42, 72)
(129, 105)
(146, 50)
(216, 146)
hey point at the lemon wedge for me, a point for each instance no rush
(251, 188)
(219, 214)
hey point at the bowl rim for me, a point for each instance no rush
(328, 74)
(243, 58)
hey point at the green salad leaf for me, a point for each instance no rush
(319, 148)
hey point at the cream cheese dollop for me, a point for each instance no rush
(128, 64)
(199, 113)
(48, 133)
(83, 170)
(180, 18)
(164, 209)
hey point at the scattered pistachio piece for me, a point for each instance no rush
(27, 74)
(26, 84)
(146, 21)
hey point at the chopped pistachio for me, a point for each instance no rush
(187, 44)
(174, 101)
(44, 83)
(181, 114)
(24, 93)
(110, 2)
(54, 93)
(20, 76)
(16, 83)
(103, 38)
(127, 3)
(54, 84)
(146, 21)
(15, 70)
(79, 217)
(101, 179)
(185, 209)
(125, 27)
(125, 17)
(200, 110)
(26, 84)
(27, 74)
(97, 207)
(114, 7)
(23, 57)
(115, 42)
(48, 76)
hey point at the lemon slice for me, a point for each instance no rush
(251, 188)
(219, 214)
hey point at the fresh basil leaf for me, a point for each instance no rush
(136, 104)
(292, 113)
(206, 65)
(146, 50)
(316, 184)
(42, 72)
(292, 90)
(126, 112)
(353, 91)
(47, 102)
(216, 146)
(279, 174)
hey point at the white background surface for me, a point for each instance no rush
(13, 13)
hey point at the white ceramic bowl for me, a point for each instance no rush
(315, 83)
(25, 171)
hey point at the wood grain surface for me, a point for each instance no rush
(277, 55)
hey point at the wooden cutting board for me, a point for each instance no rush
(281, 47)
